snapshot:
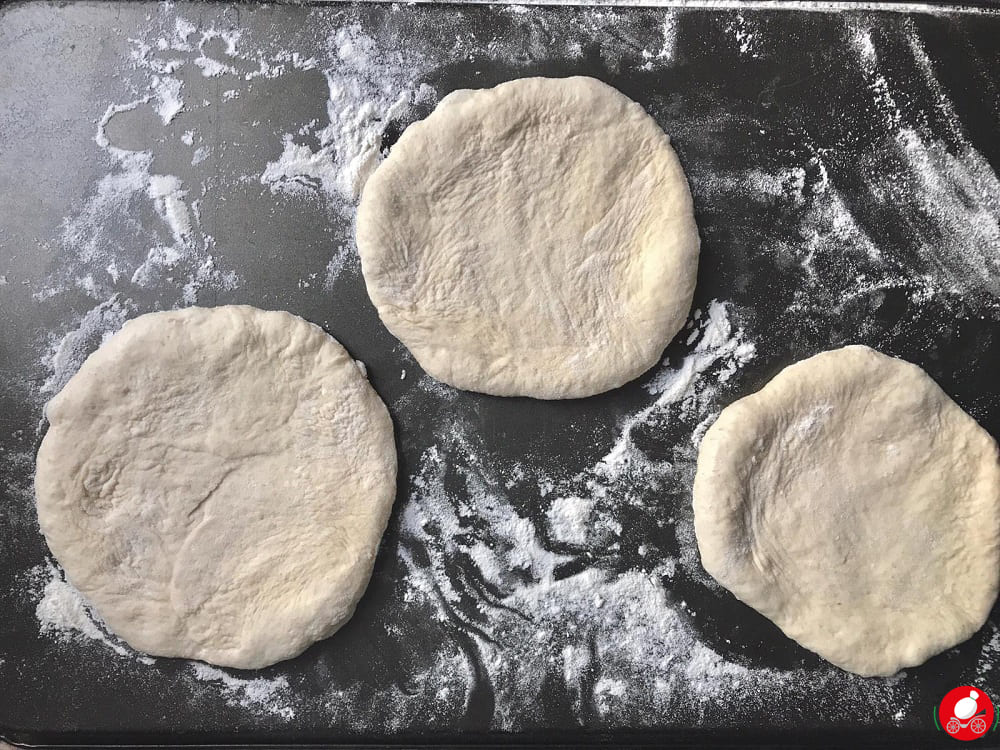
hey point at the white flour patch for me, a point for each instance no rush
(63, 613)
(718, 344)
(168, 93)
(815, 6)
(158, 261)
(206, 275)
(369, 88)
(990, 654)
(569, 519)
(280, 63)
(168, 196)
(667, 50)
(747, 40)
(259, 695)
(300, 170)
(955, 198)
(345, 257)
(950, 197)
(101, 137)
(62, 610)
(67, 352)
(212, 68)
(200, 154)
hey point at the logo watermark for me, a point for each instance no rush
(965, 713)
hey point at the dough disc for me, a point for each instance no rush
(216, 482)
(855, 505)
(533, 239)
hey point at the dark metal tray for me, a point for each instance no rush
(539, 581)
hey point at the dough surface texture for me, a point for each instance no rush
(852, 502)
(216, 482)
(533, 239)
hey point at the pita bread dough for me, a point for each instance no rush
(533, 239)
(216, 482)
(855, 505)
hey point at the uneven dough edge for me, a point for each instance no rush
(719, 517)
(49, 493)
(466, 370)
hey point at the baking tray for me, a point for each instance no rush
(539, 580)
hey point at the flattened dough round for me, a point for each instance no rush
(216, 482)
(855, 505)
(533, 239)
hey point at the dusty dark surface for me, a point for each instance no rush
(842, 198)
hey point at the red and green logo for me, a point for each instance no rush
(966, 713)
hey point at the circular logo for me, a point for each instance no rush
(966, 713)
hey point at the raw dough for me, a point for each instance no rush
(534, 239)
(216, 482)
(855, 505)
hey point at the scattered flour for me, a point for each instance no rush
(67, 352)
(157, 261)
(62, 610)
(606, 690)
(300, 170)
(168, 196)
(345, 257)
(816, 6)
(574, 604)
(988, 659)
(955, 198)
(200, 154)
(717, 341)
(718, 344)
(212, 68)
(950, 196)
(63, 613)
(535, 624)
(369, 88)
(620, 624)
(569, 519)
(168, 93)
(747, 41)
(260, 695)
(206, 275)
(666, 52)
